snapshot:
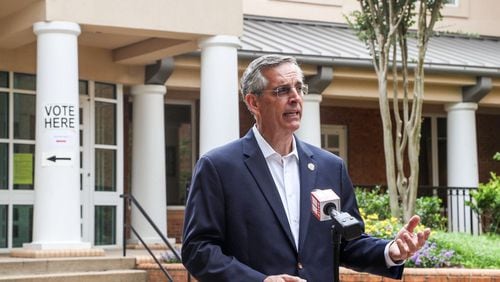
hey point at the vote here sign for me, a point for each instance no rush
(59, 116)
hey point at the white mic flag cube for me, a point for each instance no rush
(319, 199)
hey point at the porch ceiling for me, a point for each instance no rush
(136, 33)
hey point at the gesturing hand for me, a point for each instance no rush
(407, 242)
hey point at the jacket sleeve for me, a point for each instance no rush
(204, 231)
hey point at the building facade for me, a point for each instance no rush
(101, 98)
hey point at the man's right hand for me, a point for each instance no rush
(283, 278)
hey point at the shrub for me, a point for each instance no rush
(374, 201)
(486, 202)
(496, 157)
(429, 210)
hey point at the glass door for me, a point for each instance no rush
(101, 171)
(17, 158)
(85, 174)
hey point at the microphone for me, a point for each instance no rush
(325, 205)
(324, 200)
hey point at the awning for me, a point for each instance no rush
(336, 44)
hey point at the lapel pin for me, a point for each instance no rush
(311, 166)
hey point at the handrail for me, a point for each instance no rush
(132, 200)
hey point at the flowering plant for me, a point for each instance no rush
(430, 255)
(381, 228)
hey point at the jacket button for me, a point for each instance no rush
(300, 266)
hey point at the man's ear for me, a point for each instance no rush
(252, 103)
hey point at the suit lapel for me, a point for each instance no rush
(257, 166)
(308, 171)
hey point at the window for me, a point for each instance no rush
(451, 3)
(105, 109)
(456, 9)
(22, 225)
(105, 170)
(334, 139)
(4, 79)
(179, 151)
(432, 158)
(4, 166)
(4, 115)
(105, 225)
(17, 156)
(3, 225)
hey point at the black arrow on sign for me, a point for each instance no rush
(54, 159)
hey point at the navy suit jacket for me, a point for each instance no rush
(236, 228)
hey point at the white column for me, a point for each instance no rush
(462, 164)
(148, 161)
(56, 221)
(310, 125)
(219, 111)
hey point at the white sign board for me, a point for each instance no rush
(60, 116)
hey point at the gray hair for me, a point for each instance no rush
(252, 80)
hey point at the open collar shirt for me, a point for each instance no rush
(285, 172)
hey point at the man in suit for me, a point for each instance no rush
(248, 215)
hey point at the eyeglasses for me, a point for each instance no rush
(285, 91)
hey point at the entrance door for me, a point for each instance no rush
(85, 174)
(101, 162)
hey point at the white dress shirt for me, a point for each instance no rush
(285, 172)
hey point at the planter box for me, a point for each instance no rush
(179, 274)
(428, 275)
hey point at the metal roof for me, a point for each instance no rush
(335, 44)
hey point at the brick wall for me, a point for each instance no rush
(365, 146)
(175, 221)
(178, 272)
(488, 132)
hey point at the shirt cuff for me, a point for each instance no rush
(388, 261)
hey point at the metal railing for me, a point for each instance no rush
(461, 218)
(128, 201)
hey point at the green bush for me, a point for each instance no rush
(486, 202)
(374, 201)
(429, 210)
(496, 157)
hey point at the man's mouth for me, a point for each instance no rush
(292, 114)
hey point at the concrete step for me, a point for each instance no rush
(123, 275)
(71, 269)
(16, 266)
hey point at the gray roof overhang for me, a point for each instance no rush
(329, 44)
